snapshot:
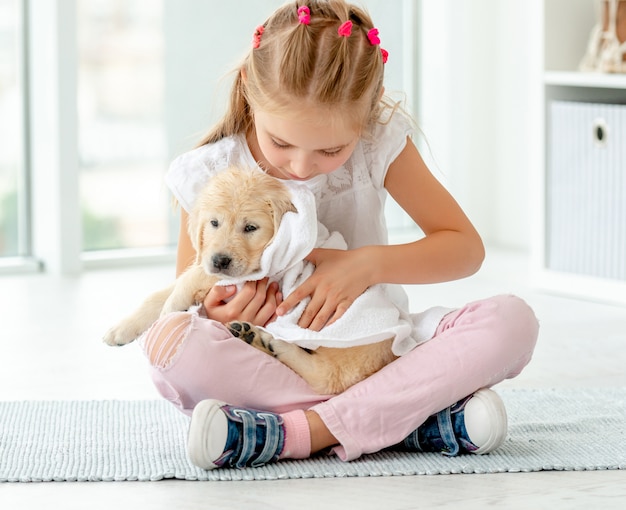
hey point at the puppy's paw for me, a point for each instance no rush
(121, 334)
(253, 336)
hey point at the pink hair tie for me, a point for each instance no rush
(304, 15)
(345, 29)
(256, 38)
(372, 36)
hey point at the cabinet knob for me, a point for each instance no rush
(600, 132)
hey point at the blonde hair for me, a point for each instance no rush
(308, 65)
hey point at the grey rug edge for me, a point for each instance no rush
(382, 464)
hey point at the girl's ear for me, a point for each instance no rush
(244, 75)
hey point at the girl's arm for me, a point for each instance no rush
(256, 302)
(450, 249)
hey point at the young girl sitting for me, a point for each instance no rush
(308, 104)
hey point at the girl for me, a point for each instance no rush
(307, 104)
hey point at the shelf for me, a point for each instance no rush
(567, 28)
(588, 80)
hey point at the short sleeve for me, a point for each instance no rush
(387, 142)
(189, 172)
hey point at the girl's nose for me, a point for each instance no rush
(303, 166)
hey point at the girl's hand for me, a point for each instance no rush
(340, 277)
(256, 302)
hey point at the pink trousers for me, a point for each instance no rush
(194, 358)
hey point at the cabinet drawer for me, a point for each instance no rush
(586, 189)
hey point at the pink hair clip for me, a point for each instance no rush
(345, 29)
(372, 36)
(304, 15)
(256, 38)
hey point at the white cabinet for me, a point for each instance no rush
(579, 224)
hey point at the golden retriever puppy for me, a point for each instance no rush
(234, 219)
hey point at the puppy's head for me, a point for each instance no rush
(235, 217)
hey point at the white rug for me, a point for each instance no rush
(564, 429)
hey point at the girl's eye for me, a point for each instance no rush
(330, 154)
(279, 145)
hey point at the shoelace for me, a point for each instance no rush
(249, 438)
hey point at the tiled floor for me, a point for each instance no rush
(49, 340)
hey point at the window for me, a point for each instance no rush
(86, 87)
(13, 206)
(122, 142)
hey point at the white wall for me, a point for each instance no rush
(205, 39)
(479, 68)
(480, 107)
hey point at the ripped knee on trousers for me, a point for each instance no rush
(164, 338)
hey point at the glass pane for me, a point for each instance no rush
(122, 143)
(12, 241)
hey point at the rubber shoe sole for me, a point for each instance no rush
(208, 432)
(486, 421)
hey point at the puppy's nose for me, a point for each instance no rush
(221, 261)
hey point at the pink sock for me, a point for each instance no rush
(297, 436)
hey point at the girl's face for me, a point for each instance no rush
(289, 148)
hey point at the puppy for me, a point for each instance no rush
(233, 220)
(236, 216)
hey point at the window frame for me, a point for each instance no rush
(50, 210)
(22, 261)
(50, 214)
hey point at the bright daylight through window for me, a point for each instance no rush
(13, 236)
(121, 146)
(122, 142)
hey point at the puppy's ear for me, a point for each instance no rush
(279, 208)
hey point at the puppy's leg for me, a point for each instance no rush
(327, 370)
(190, 288)
(295, 357)
(304, 362)
(139, 321)
(346, 366)
(258, 338)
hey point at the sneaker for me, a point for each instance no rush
(477, 424)
(221, 435)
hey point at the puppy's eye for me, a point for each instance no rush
(249, 228)
(214, 223)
